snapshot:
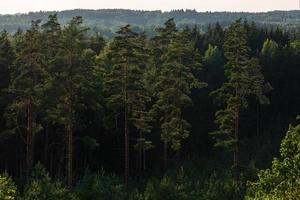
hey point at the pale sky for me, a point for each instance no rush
(23, 6)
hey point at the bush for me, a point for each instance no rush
(164, 189)
(8, 190)
(282, 181)
(222, 187)
(100, 187)
(41, 187)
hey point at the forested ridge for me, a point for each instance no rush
(181, 114)
(108, 21)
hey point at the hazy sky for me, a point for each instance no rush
(21, 6)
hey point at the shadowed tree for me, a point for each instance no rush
(125, 87)
(26, 87)
(244, 79)
(175, 81)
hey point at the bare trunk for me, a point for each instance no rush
(29, 139)
(140, 160)
(165, 154)
(236, 147)
(46, 145)
(69, 154)
(144, 159)
(126, 132)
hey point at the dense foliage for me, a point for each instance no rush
(107, 21)
(87, 112)
(282, 181)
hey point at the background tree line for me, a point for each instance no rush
(107, 21)
(139, 107)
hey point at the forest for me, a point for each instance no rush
(108, 21)
(180, 115)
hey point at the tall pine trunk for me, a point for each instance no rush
(126, 132)
(69, 154)
(165, 154)
(29, 139)
(140, 160)
(236, 146)
(126, 128)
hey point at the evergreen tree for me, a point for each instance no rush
(7, 57)
(175, 81)
(26, 86)
(124, 84)
(70, 80)
(244, 79)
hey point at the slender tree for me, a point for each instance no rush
(27, 80)
(124, 84)
(69, 83)
(244, 79)
(175, 81)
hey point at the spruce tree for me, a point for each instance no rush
(244, 79)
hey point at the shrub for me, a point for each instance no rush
(8, 190)
(164, 189)
(100, 187)
(42, 187)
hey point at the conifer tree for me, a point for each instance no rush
(175, 81)
(124, 85)
(69, 82)
(51, 33)
(7, 57)
(244, 79)
(26, 86)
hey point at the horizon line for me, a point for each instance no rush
(150, 10)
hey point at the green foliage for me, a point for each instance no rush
(8, 190)
(100, 187)
(222, 187)
(282, 180)
(42, 187)
(164, 189)
(244, 79)
(108, 21)
(175, 81)
(270, 50)
(213, 56)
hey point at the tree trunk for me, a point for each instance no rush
(126, 132)
(29, 139)
(46, 145)
(165, 154)
(236, 147)
(140, 160)
(69, 154)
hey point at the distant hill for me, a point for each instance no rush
(107, 21)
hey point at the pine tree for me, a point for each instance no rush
(69, 83)
(175, 81)
(244, 79)
(7, 57)
(124, 84)
(51, 33)
(26, 86)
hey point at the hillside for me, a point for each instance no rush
(107, 21)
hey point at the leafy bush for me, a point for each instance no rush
(164, 189)
(222, 187)
(41, 187)
(8, 190)
(282, 181)
(100, 187)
